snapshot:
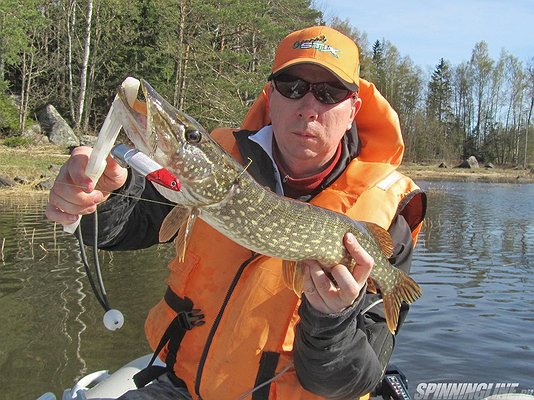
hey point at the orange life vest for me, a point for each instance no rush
(250, 314)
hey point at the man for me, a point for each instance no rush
(318, 133)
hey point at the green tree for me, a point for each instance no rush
(482, 67)
(14, 18)
(360, 38)
(19, 22)
(377, 67)
(463, 109)
(438, 110)
(438, 104)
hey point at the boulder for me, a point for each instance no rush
(45, 184)
(443, 165)
(471, 162)
(6, 181)
(22, 180)
(33, 130)
(55, 127)
(35, 134)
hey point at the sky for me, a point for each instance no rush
(427, 30)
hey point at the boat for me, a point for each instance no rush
(102, 384)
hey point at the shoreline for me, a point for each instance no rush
(33, 170)
(415, 172)
(481, 174)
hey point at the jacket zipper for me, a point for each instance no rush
(213, 330)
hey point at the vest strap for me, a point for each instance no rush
(186, 319)
(268, 363)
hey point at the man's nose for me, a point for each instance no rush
(308, 107)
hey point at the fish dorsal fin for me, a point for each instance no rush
(382, 238)
(179, 220)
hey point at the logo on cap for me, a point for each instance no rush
(318, 43)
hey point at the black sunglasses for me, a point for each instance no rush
(325, 92)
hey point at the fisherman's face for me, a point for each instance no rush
(307, 131)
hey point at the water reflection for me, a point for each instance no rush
(474, 264)
(52, 331)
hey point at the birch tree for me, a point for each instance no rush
(529, 107)
(482, 67)
(85, 64)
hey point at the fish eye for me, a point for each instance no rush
(193, 136)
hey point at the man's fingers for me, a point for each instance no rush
(70, 197)
(74, 169)
(349, 287)
(74, 202)
(310, 289)
(59, 216)
(113, 177)
(364, 261)
(336, 288)
(308, 284)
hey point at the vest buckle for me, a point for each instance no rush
(190, 319)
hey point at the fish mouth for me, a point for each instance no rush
(166, 110)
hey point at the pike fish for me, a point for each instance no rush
(219, 190)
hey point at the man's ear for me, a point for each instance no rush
(355, 108)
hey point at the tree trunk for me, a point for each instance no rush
(179, 64)
(527, 129)
(184, 76)
(70, 27)
(22, 91)
(27, 74)
(28, 90)
(2, 67)
(85, 63)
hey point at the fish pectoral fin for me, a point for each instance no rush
(179, 220)
(182, 240)
(382, 237)
(406, 290)
(293, 276)
(172, 223)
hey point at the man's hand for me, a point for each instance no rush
(75, 194)
(328, 297)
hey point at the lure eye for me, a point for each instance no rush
(193, 136)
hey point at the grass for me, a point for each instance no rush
(30, 162)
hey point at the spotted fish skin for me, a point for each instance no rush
(225, 196)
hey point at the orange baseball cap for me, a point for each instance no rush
(320, 45)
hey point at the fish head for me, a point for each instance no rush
(179, 143)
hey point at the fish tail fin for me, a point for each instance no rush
(406, 290)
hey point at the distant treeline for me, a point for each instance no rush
(211, 58)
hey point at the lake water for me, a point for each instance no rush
(474, 322)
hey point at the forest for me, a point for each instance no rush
(210, 58)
